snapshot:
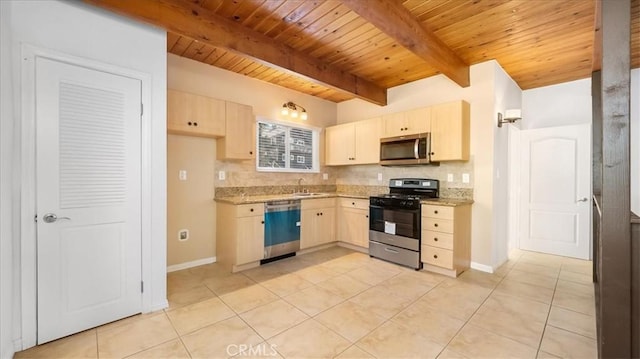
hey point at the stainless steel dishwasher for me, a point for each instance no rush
(281, 229)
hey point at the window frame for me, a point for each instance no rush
(315, 146)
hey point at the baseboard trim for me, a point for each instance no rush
(482, 267)
(186, 265)
(17, 346)
(158, 306)
(353, 247)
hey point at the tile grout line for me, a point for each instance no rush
(544, 329)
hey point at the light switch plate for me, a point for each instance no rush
(325, 176)
(465, 178)
(182, 175)
(221, 175)
(379, 176)
(449, 177)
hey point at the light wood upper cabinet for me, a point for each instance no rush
(353, 143)
(450, 131)
(239, 141)
(406, 123)
(195, 115)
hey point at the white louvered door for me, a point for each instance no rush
(88, 177)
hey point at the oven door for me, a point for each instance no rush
(395, 221)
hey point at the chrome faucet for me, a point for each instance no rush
(300, 189)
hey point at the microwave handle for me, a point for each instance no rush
(416, 148)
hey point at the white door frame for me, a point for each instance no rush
(26, 166)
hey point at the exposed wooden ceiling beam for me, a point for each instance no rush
(190, 20)
(396, 21)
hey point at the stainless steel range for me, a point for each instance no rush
(394, 220)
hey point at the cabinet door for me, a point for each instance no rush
(326, 226)
(367, 141)
(450, 131)
(239, 141)
(395, 124)
(339, 144)
(419, 120)
(354, 227)
(194, 115)
(250, 244)
(308, 219)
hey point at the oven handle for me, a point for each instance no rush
(416, 146)
(390, 250)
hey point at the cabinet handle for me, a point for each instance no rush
(436, 211)
(317, 214)
(367, 216)
(353, 203)
(321, 213)
(195, 124)
(250, 209)
(262, 222)
(435, 239)
(435, 224)
(435, 256)
(433, 153)
(251, 152)
(189, 123)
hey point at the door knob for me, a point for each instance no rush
(51, 217)
(583, 199)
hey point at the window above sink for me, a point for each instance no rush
(287, 147)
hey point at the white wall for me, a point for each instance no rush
(564, 104)
(508, 95)
(480, 95)
(267, 99)
(635, 141)
(6, 217)
(79, 30)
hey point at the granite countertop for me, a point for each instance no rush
(452, 202)
(283, 197)
(286, 196)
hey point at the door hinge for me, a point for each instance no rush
(141, 109)
(35, 218)
(141, 287)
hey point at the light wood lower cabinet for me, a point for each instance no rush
(446, 238)
(353, 221)
(239, 234)
(317, 222)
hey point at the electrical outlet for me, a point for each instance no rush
(325, 176)
(449, 177)
(379, 176)
(182, 175)
(183, 235)
(465, 178)
(221, 175)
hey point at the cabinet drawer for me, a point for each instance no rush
(433, 211)
(438, 225)
(318, 203)
(254, 209)
(437, 256)
(354, 203)
(437, 239)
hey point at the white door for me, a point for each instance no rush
(88, 177)
(556, 190)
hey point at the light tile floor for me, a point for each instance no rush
(340, 303)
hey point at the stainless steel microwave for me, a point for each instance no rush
(406, 150)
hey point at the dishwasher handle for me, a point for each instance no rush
(280, 206)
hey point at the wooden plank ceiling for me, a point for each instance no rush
(538, 43)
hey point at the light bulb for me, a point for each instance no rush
(304, 115)
(285, 111)
(294, 114)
